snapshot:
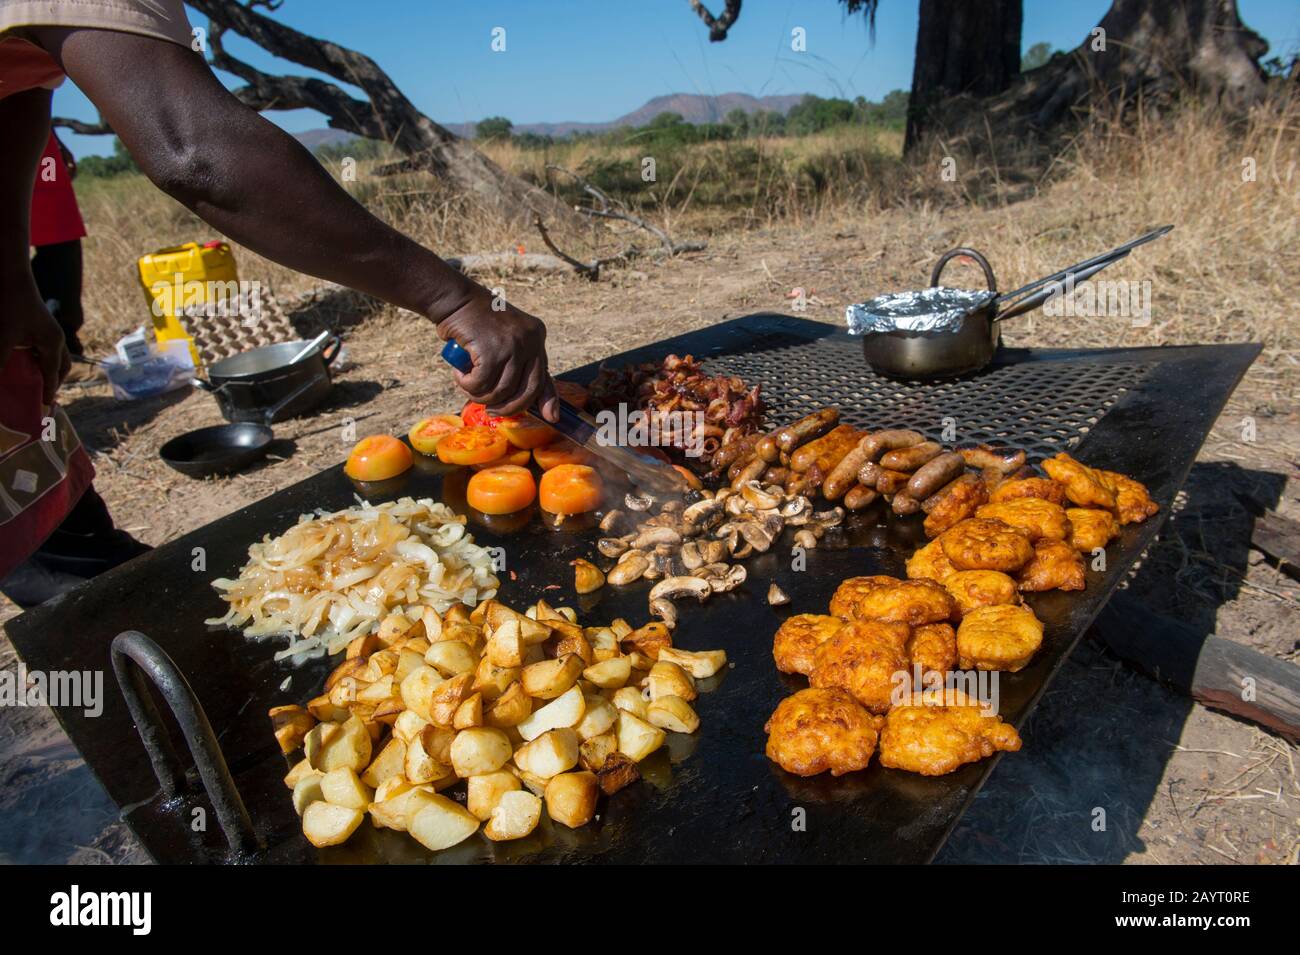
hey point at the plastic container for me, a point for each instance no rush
(184, 275)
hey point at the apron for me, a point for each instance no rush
(44, 470)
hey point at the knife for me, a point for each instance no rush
(580, 428)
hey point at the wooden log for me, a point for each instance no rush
(1214, 671)
(1278, 539)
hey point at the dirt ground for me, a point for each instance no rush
(1179, 783)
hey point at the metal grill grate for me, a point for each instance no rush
(1043, 407)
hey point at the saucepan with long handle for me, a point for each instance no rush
(945, 333)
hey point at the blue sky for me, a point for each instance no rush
(594, 60)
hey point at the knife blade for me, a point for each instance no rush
(580, 428)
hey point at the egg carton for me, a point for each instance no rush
(229, 326)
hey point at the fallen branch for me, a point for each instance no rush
(608, 208)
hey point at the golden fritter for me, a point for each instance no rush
(998, 638)
(1133, 503)
(820, 729)
(913, 602)
(866, 658)
(1056, 566)
(1091, 528)
(979, 543)
(934, 740)
(1083, 485)
(958, 503)
(933, 647)
(981, 588)
(798, 637)
(930, 563)
(845, 598)
(1034, 516)
(1043, 488)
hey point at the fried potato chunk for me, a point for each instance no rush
(913, 602)
(933, 647)
(799, 637)
(930, 563)
(1037, 518)
(979, 543)
(1091, 528)
(819, 729)
(1083, 485)
(981, 588)
(935, 740)
(864, 658)
(955, 506)
(1044, 488)
(1056, 566)
(1133, 503)
(998, 638)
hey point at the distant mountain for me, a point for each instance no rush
(693, 107)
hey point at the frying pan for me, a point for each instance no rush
(221, 449)
(967, 345)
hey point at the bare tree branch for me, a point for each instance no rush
(85, 129)
(719, 25)
(613, 209)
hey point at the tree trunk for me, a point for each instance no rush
(386, 114)
(1157, 49)
(961, 48)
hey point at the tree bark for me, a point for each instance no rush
(1156, 49)
(961, 48)
(386, 114)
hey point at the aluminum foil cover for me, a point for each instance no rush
(935, 309)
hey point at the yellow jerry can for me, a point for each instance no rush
(178, 277)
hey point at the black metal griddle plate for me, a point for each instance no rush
(713, 796)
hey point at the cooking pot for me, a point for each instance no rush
(265, 384)
(941, 333)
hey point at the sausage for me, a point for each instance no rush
(1004, 459)
(806, 428)
(729, 452)
(931, 502)
(767, 449)
(909, 459)
(869, 474)
(845, 474)
(858, 497)
(933, 475)
(883, 441)
(837, 442)
(775, 475)
(749, 472)
(891, 482)
(905, 504)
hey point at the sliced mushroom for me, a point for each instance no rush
(736, 505)
(832, 518)
(664, 609)
(692, 559)
(628, 570)
(710, 571)
(638, 502)
(760, 497)
(776, 596)
(673, 588)
(805, 538)
(712, 551)
(612, 521)
(703, 514)
(630, 554)
(653, 536)
(611, 546)
(733, 578)
(758, 534)
(795, 508)
(672, 507)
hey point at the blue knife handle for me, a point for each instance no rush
(571, 424)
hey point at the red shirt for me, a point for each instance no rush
(55, 216)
